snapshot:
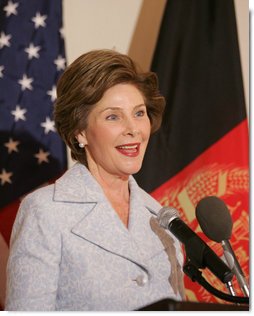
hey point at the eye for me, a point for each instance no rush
(140, 113)
(112, 117)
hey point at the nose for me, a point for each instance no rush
(131, 127)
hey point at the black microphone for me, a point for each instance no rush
(215, 220)
(197, 251)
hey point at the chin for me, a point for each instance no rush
(132, 169)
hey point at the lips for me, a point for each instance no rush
(130, 150)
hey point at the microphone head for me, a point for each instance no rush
(166, 215)
(214, 218)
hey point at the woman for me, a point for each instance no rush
(91, 241)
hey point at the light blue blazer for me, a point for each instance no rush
(70, 250)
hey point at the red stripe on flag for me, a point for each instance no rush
(4, 252)
(7, 217)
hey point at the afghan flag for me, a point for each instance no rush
(202, 146)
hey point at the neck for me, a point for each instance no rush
(117, 193)
(115, 187)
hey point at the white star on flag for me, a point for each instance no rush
(60, 63)
(48, 125)
(25, 83)
(11, 8)
(12, 145)
(61, 31)
(5, 40)
(39, 20)
(5, 177)
(32, 51)
(42, 156)
(1, 71)
(19, 114)
(52, 93)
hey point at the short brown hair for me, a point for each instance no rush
(84, 83)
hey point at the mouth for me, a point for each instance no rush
(130, 150)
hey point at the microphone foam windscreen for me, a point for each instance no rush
(214, 218)
(166, 215)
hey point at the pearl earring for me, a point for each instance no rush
(81, 145)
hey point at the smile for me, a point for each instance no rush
(130, 150)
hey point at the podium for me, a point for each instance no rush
(171, 305)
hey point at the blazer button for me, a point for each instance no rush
(141, 280)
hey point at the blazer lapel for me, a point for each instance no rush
(103, 228)
(100, 224)
(143, 213)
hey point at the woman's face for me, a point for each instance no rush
(117, 133)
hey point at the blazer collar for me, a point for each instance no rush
(77, 185)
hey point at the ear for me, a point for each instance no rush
(81, 138)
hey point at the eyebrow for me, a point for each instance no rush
(121, 109)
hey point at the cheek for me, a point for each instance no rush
(99, 137)
(147, 129)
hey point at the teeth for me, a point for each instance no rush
(128, 147)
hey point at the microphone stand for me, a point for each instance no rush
(230, 288)
(196, 275)
(229, 284)
(236, 268)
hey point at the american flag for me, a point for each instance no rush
(32, 57)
